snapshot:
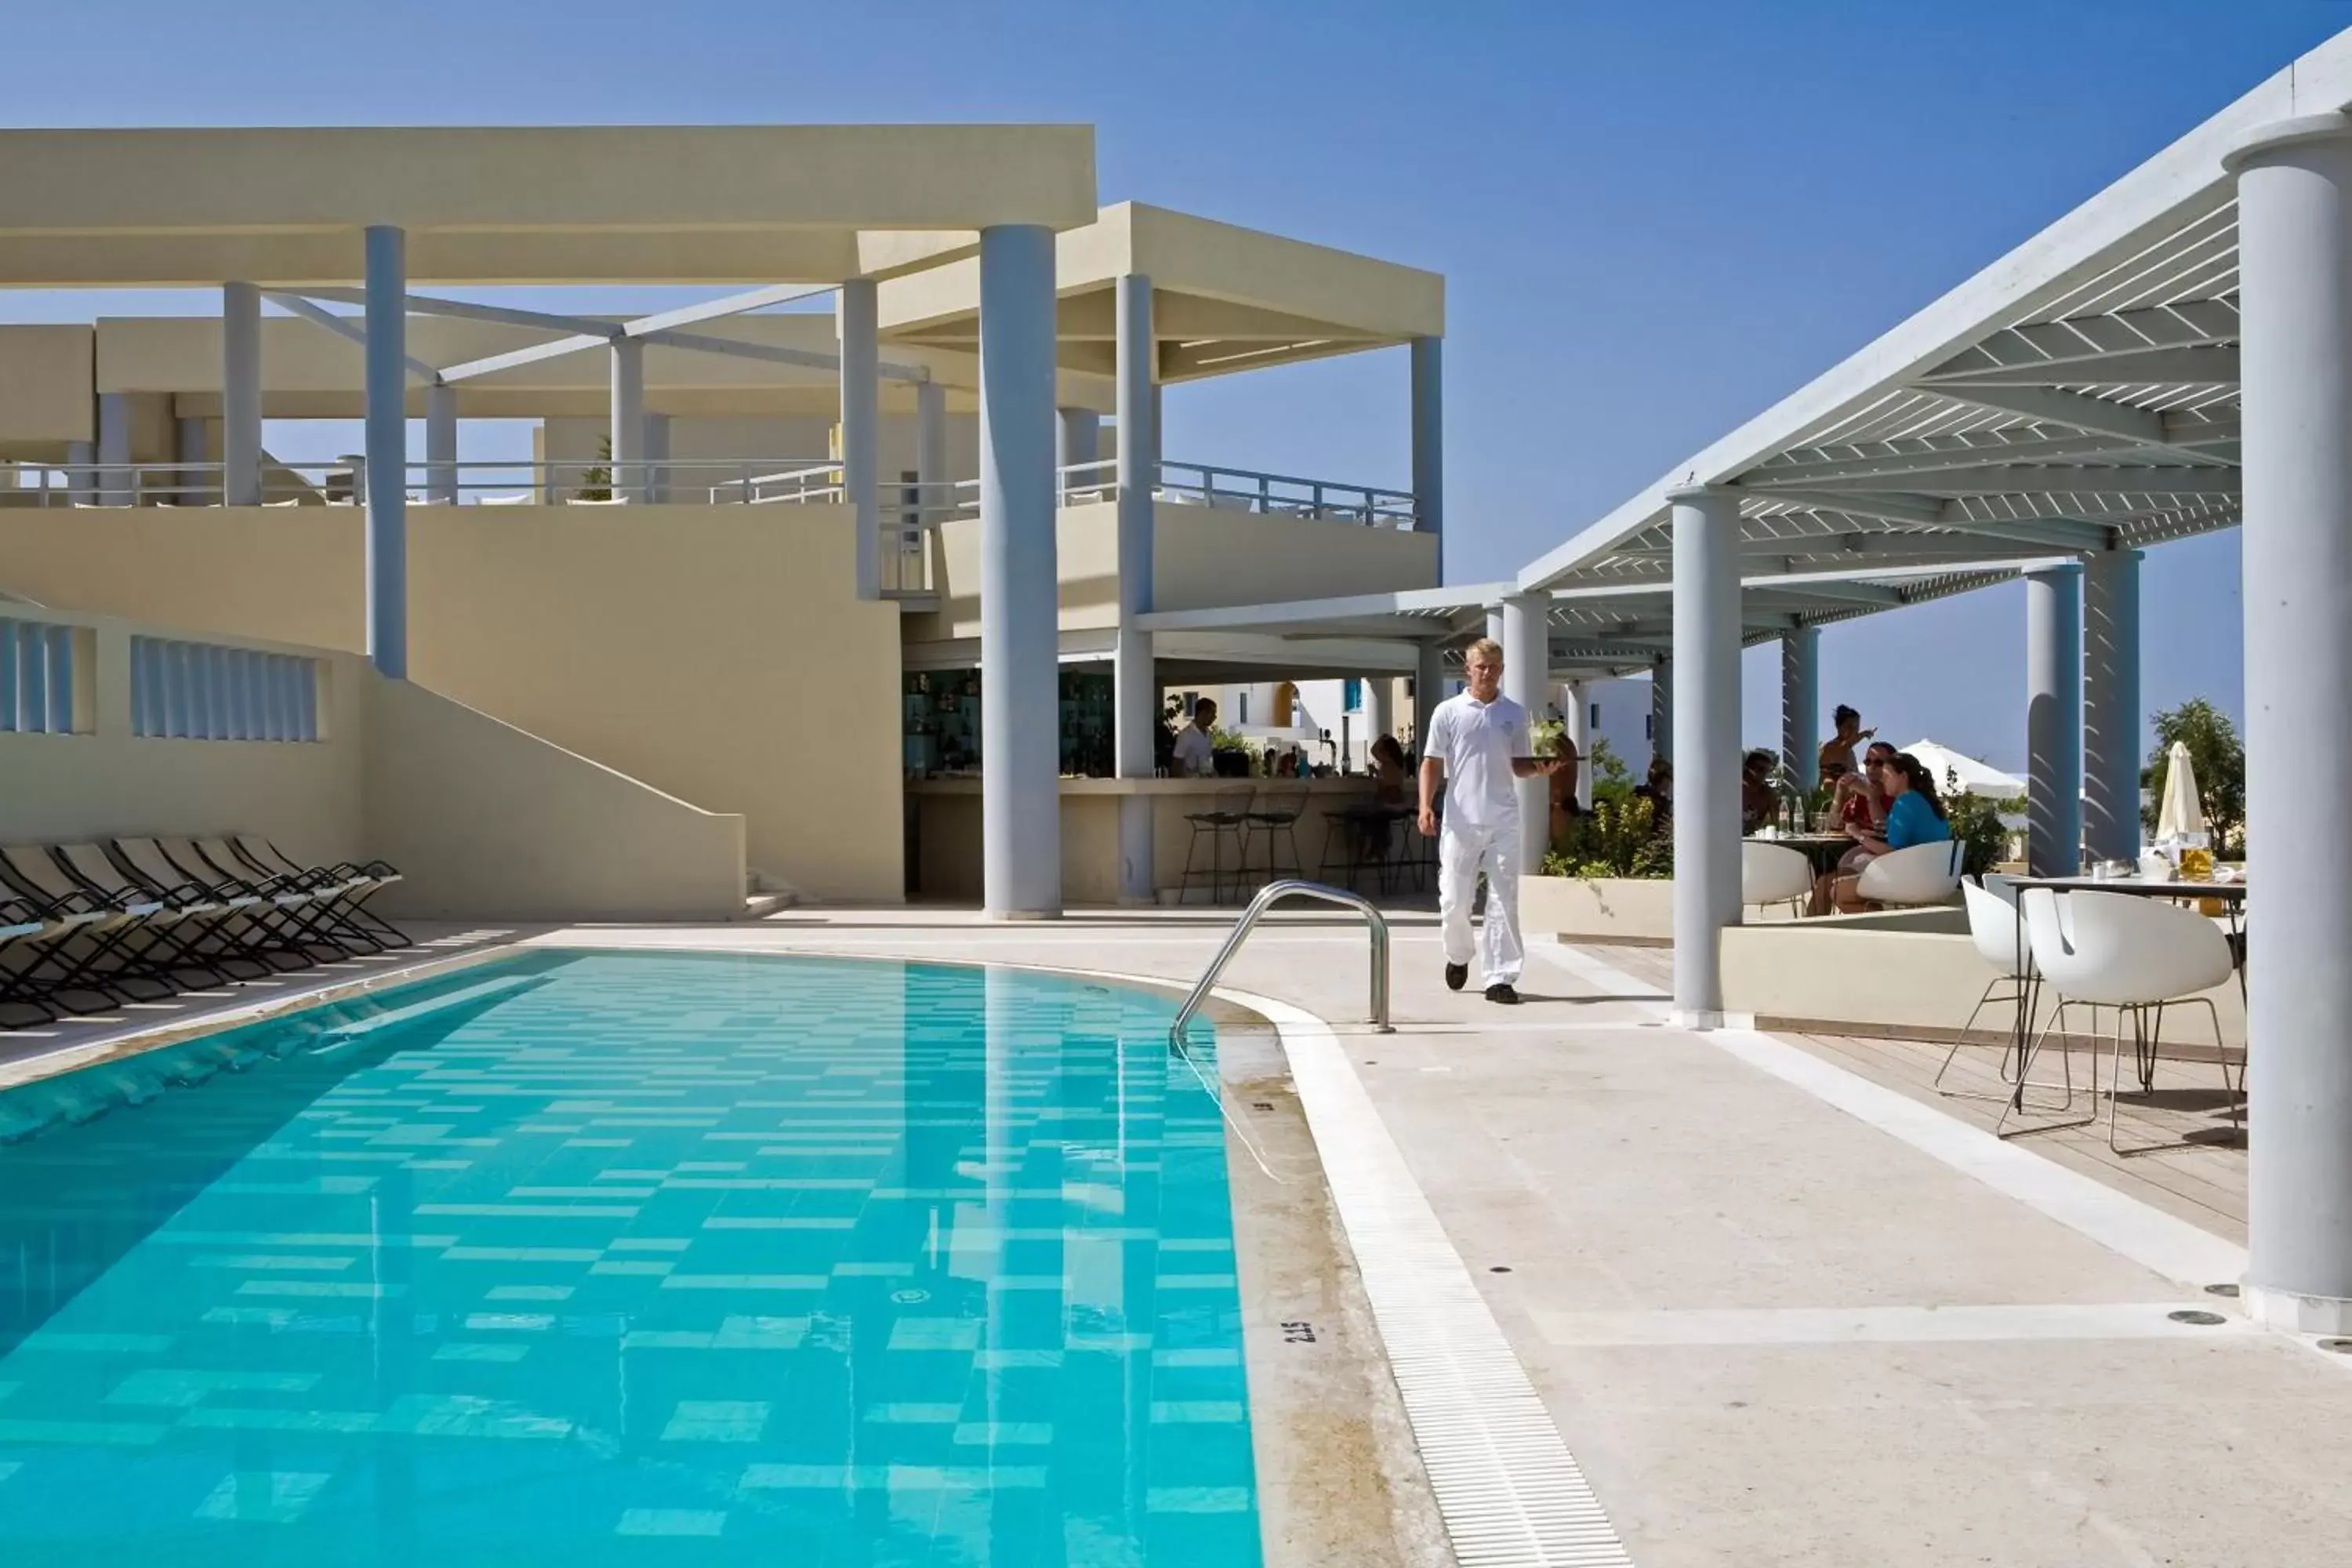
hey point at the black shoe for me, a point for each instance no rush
(1457, 976)
(1501, 990)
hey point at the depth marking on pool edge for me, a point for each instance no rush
(1511, 1494)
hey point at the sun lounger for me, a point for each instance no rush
(355, 883)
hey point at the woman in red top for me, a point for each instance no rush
(1861, 798)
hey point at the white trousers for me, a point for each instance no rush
(1463, 849)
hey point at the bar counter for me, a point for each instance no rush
(946, 858)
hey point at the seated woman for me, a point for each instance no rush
(1658, 789)
(1564, 807)
(1859, 800)
(1388, 772)
(1914, 816)
(1758, 804)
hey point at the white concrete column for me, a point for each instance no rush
(1495, 625)
(1078, 437)
(115, 485)
(2054, 721)
(240, 394)
(189, 442)
(387, 450)
(1661, 710)
(1135, 681)
(1526, 674)
(81, 472)
(1800, 706)
(1576, 712)
(1428, 691)
(2294, 238)
(1019, 707)
(1705, 712)
(1379, 718)
(932, 448)
(658, 457)
(856, 328)
(441, 444)
(2111, 827)
(1428, 435)
(628, 414)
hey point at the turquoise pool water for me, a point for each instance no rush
(633, 1258)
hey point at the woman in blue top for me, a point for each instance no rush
(1914, 816)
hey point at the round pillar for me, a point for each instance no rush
(1705, 686)
(2294, 237)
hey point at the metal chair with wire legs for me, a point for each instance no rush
(1228, 816)
(1277, 816)
(2109, 950)
(1994, 926)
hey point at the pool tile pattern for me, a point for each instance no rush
(634, 1258)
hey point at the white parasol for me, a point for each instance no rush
(2181, 818)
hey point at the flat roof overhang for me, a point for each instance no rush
(511, 205)
(1594, 628)
(1225, 298)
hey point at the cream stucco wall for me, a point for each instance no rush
(715, 653)
(1921, 984)
(1203, 557)
(46, 389)
(484, 821)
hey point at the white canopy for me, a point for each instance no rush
(1975, 777)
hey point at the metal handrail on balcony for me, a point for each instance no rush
(755, 482)
(1377, 928)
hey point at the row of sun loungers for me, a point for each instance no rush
(85, 927)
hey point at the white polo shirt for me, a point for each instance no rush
(1476, 742)
(1195, 753)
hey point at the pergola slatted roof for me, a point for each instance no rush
(2080, 394)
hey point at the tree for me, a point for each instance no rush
(596, 483)
(2219, 759)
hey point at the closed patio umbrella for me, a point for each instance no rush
(2180, 816)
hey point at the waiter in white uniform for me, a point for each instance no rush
(1478, 744)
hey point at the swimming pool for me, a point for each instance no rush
(622, 1259)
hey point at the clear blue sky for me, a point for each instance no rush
(1654, 219)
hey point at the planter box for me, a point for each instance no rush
(1628, 911)
(1870, 975)
(1623, 911)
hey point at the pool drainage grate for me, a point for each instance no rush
(1511, 1494)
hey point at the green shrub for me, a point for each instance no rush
(1618, 838)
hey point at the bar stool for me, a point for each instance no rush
(1279, 813)
(1228, 816)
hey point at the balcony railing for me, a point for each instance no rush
(753, 481)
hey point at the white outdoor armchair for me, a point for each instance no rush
(2113, 949)
(1998, 933)
(1774, 874)
(1922, 874)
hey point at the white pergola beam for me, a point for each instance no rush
(2032, 480)
(2210, 364)
(731, 305)
(347, 329)
(1863, 503)
(774, 353)
(465, 309)
(2086, 340)
(474, 369)
(2051, 407)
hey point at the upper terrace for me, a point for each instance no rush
(755, 398)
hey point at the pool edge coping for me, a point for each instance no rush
(25, 1071)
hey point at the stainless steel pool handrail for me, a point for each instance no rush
(1376, 925)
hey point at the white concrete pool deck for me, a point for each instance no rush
(1780, 1312)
